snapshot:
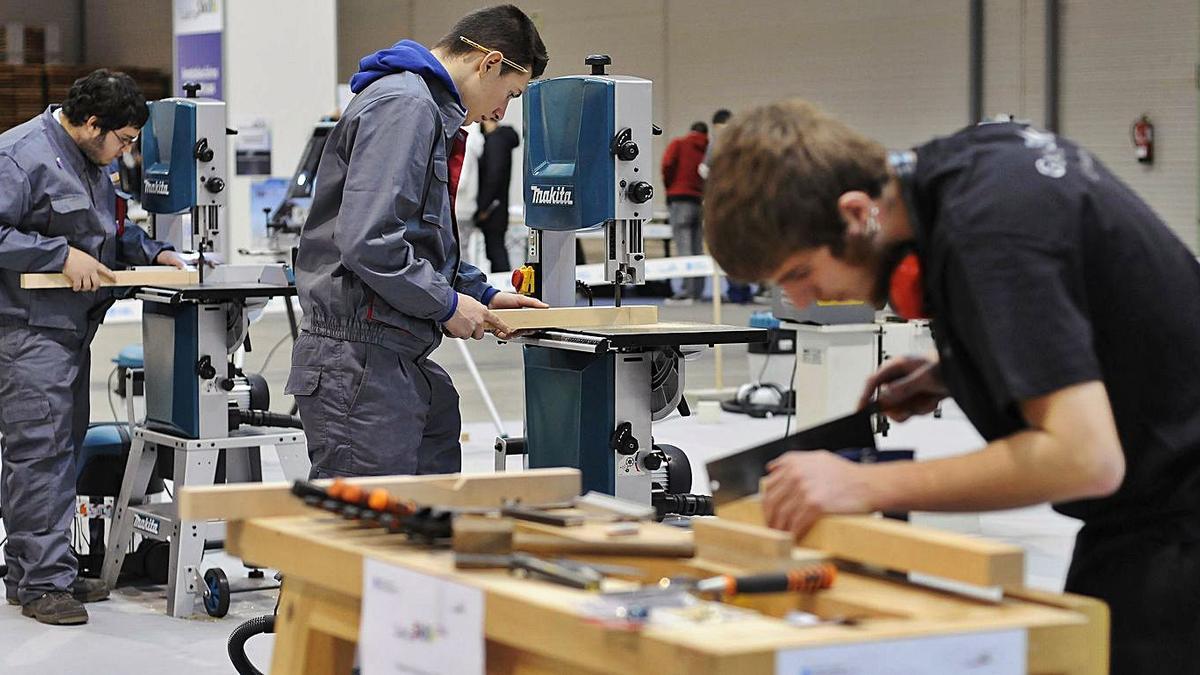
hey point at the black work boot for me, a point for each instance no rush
(89, 590)
(56, 608)
(83, 589)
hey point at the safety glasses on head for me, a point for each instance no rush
(511, 64)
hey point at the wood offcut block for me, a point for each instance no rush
(750, 547)
(578, 317)
(168, 276)
(900, 546)
(480, 534)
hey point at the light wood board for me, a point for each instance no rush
(578, 317)
(254, 500)
(167, 276)
(899, 546)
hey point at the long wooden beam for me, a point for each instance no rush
(900, 546)
(578, 317)
(258, 500)
(167, 276)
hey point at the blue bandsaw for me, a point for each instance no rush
(592, 394)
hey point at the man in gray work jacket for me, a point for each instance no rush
(379, 271)
(58, 213)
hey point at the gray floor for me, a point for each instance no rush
(130, 633)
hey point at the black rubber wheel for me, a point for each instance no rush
(217, 602)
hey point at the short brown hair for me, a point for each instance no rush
(504, 28)
(774, 181)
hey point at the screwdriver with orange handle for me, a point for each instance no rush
(802, 579)
(352, 501)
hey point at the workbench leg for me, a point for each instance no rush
(193, 467)
(315, 631)
(136, 479)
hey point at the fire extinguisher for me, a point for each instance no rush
(1142, 133)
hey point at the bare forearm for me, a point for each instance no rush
(1029, 467)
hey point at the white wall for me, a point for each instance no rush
(365, 26)
(1122, 59)
(129, 33)
(280, 65)
(896, 69)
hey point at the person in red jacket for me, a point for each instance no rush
(681, 174)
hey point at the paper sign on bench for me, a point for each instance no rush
(418, 624)
(991, 653)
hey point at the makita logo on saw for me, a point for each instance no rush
(559, 195)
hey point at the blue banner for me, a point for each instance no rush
(198, 59)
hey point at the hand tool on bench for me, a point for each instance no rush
(738, 475)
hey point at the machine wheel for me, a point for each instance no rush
(679, 470)
(217, 602)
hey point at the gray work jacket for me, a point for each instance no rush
(379, 259)
(51, 197)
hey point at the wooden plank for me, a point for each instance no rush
(578, 317)
(167, 276)
(256, 500)
(750, 547)
(900, 546)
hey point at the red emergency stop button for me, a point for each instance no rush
(523, 280)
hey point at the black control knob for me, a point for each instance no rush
(640, 192)
(202, 152)
(652, 461)
(205, 369)
(623, 147)
(597, 62)
(214, 185)
(191, 89)
(623, 441)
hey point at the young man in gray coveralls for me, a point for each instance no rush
(379, 271)
(58, 213)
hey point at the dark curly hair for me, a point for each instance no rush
(113, 97)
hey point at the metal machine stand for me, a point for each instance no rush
(195, 464)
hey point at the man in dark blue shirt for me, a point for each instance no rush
(1067, 321)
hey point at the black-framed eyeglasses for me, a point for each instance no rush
(512, 64)
(125, 141)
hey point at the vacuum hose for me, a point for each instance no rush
(266, 418)
(237, 642)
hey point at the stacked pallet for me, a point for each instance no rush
(26, 90)
(155, 84)
(35, 45)
(22, 93)
(59, 80)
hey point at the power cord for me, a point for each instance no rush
(112, 406)
(267, 361)
(787, 429)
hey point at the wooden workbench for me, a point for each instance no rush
(535, 627)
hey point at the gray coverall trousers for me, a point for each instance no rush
(372, 411)
(688, 239)
(44, 407)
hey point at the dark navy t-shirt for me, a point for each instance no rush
(1042, 270)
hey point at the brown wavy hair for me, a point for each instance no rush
(775, 177)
